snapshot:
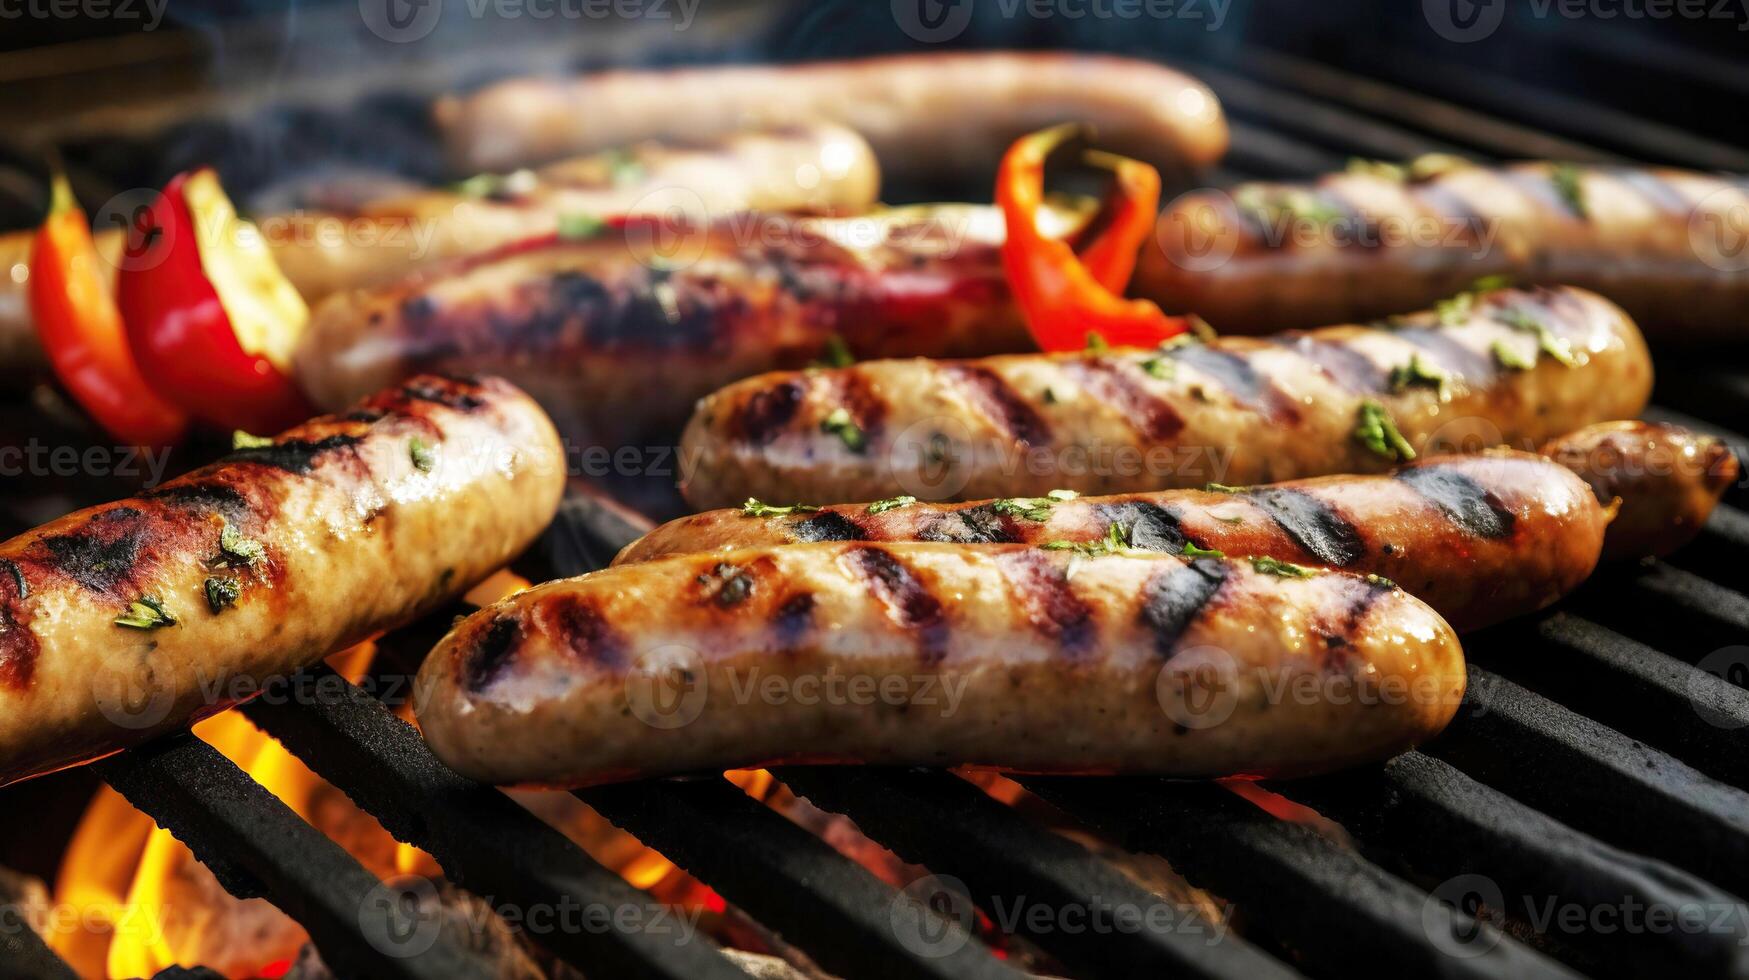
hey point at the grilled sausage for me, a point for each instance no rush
(811, 168)
(924, 114)
(1236, 410)
(1480, 538)
(1663, 480)
(618, 335)
(134, 618)
(925, 654)
(1663, 244)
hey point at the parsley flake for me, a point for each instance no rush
(1569, 183)
(754, 507)
(1266, 565)
(1375, 430)
(891, 503)
(243, 440)
(145, 613)
(1416, 373)
(423, 454)
(1192, 551)
(840, 424)
(222, 593)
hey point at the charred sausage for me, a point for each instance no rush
(333, 246)
(134, 618)
(1504, 367)
(1663, 480)
(1480, 538)
(1015, 658)
(1664, 244)
(620, 333)
(924, 114)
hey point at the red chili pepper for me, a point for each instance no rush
(212, 320)
(82, 332)
(1066, 297)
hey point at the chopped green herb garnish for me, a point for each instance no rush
(222, 593)
(1273, 205)
(836, 355)
(1201, 332)
(625, 166)
(235, 549)
(840, 424)
(1380, 581)
(891, 503)
(1049, 396)
(1096, 342)
(1569, 183)
(145, 613)
(1430, 165)
(1489, 283)
(423, 454)
(1116, 540)
(1415, 373)
(1511, 359)
(1235, 519)
(243, 440)
(580, 227)
(1222, 488)
(754, 507)
(1274, 566)
(1192, 551)
(1159, 367)
(480, 185)
(1061, 495)
(1558, 348)
(1456, 309)
(1375, 430)
(1032, 508)
(1394, 172)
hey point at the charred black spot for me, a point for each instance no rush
(19, 646)
(727, 585)
(452, 395)
(906, 597)
(1235, 373)
(1313, 524)
(1447, 355)
(794, 617)
(14, 575)
(1113, 384)
(418, 308)
(1173, 598)
(365, 415)
(826, 526)
(768, 411)
(202, 496)
(669, 312)
(1001, 403)
(1042, 588)
(1469, 505)
(971, 525)
(103, 553)
(491, 652)
(1150, 526)
(294, 456)
(587, 633)
(1352, 371)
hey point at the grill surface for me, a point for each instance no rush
(1593, 764)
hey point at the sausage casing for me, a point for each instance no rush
(1662, 480)
(1479, 538)
(1663, 244)
(1011, 657)
(924, 114)
(618, 340)
(1235, 410)
(130, 619)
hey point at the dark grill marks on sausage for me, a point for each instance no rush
(726, 584)
(1352, 371)
(1173, 599)
(295, 455)
(1111, 382)
(1000, 403)
(765, 413)
(826, 526)
(580, 628)
(905, 596)
(1313, 525)
(1356, 228)
(1456, 211)
(971, 525)
(1447, 354)
(1652, 186)
(1042, 589)
(1149, 526)
(852, 391)
(101, 554)
(492, 650)
(203, 496)
(19, 646)
(1357, 596)
(793, 619)
(452, 393)
(1235, 373)
(1469, 505)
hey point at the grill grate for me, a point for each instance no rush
(1592, 763)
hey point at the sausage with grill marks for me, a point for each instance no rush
(1013, 657)
(1664, 244)
(618, 345)
(1235, 410)
(925, 114)
(127, 620)
(1479, 538)
(1663, 481)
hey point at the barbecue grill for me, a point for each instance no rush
(1597, 763)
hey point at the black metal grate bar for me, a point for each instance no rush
(1695, 715)
(1318, 896)
(850, 922)
(484, 840)
(941, 821)
(216, 809)
(1598, 780)
(1421, 815)
(1674, 610)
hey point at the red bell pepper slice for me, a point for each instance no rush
(1068, 298)
(212, 321)
(81, 330)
